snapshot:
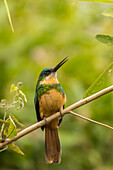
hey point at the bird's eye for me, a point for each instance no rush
(47, 72)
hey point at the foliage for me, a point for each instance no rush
(9, 129)
(106, 39)
(107, 13)
(100, 82)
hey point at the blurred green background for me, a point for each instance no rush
(45, 33)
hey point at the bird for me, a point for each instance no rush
(49, 99)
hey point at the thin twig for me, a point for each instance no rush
(3, 123)
(14, 98)
(3, 149)
(56, 115)
(90, 120)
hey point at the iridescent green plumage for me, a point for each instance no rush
(44, 89)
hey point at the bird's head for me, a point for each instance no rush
(49, 75)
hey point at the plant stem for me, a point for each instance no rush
(3, 123)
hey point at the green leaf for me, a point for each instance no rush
(12, 130)
(15, 148)
(100, 81)
(8, 14)
(16, 121)
(106, 39)
(108, 12)
(23, 95)
(6, 132)
(13, 88)
(21, 103)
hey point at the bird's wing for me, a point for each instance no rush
(64, 106)
(37, 110)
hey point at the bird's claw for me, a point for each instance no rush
(46, 122)
(61, 114)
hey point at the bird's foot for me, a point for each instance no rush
(61, 114)
(46, 122)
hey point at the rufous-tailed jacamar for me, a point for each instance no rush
(49, 99)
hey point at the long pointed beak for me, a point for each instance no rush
(60, 64)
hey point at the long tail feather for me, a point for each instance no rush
(52, 145)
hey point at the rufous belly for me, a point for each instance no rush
(51, 103)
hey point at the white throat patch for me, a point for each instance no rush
(51, 79)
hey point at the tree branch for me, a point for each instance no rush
(56, 115)
(90, 120)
